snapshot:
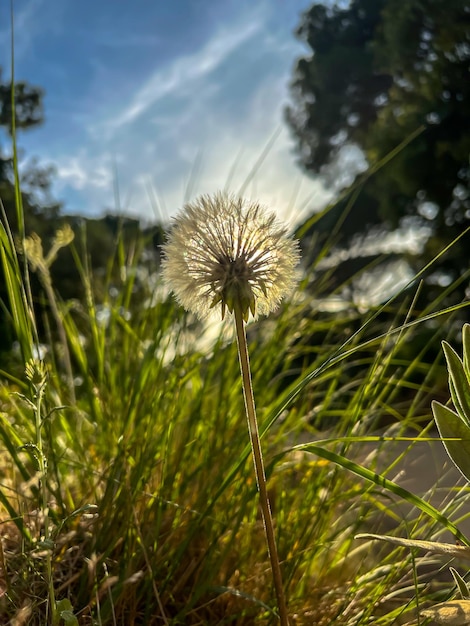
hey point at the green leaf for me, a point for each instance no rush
(381, 481)
(47, 544)
(458, 382)
(451, 426)
(26, 401)
(65, 611)
(466, 349)
(461, 584)
(69, 618)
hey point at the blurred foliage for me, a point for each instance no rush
(379, 73)
(42, 214)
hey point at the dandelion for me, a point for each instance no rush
(224, 251)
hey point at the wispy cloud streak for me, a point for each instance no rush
(183, 71)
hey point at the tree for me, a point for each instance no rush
(28, 105)
(96, 240)
(40, 210)
(36, 180)
(379, 71)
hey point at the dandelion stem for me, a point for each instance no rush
(259, 465)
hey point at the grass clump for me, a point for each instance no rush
(127, 493)
(147, 511)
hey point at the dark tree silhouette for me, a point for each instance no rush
(377, 71)
(36, 180)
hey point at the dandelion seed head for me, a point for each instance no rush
(223, 250)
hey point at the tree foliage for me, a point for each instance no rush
(42, 214)
(36, 180)
(378, 71)
(28, 105)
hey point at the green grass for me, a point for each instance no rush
(151, 503)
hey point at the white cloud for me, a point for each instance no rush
(197, 120)
(235, 147)
(218, 151)
(183, 72)
(80, 172)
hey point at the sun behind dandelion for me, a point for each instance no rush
(225, 250)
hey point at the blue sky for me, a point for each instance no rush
(177, 97)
